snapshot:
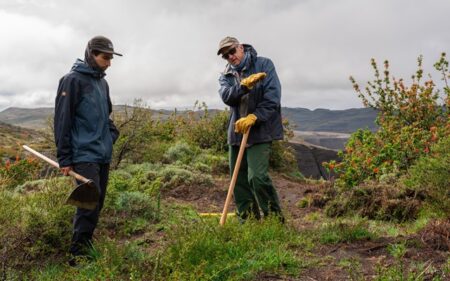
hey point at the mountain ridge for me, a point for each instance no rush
(301, 119)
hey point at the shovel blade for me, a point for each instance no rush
(84, 196)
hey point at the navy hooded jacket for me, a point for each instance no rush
(83, 131)
(263, 100)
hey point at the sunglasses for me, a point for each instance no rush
(231, 52)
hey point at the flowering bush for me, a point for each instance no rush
(14, 173)
(410, 119)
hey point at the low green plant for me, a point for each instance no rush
(205, 251)
(344, 232)
(35, 224)
(112, 261)
(402, 271)
(375, 200)
(353, 267)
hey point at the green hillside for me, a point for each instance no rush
(12, 137)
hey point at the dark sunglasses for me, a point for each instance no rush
(231, 52)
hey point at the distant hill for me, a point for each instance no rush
(326, 120)
(36, 118)
(12, 137)
(33, 118)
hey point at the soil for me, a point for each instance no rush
(369, 254)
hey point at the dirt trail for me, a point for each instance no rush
(366, 254)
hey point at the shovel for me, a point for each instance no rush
(84, 195)
(234, 177)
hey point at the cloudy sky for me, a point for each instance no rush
(170, 46)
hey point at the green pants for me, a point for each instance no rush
(254, 188)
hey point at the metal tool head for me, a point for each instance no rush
(84, 196)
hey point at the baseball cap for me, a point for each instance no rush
(227, 42)
(102, 44)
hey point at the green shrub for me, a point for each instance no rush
(136, 204)
(212, 163)
(282, 157)
(180, 153)
(205, 129)
(431, 174)
(172, 176)
(17, 172)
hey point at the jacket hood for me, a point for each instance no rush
(249, 48)
(84, 68)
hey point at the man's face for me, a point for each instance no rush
(103, 60)
(234, 55)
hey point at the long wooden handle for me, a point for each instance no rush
(54, 164)
(234, 178)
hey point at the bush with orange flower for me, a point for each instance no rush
(14, 173)
(411, 119)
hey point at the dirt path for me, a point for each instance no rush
(344, 261)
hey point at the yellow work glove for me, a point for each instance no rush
(243, 124)
(250, 81)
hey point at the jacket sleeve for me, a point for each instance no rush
(65, 106)
(230, 94)
(271, 94)
(112, 128)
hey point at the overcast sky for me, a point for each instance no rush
(170, 47)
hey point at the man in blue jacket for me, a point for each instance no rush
(84, 133)
(250, 86)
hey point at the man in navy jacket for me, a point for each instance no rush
(250, 86)
(84, 133)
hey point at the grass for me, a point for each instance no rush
(202, 250)
(141, 237)
(344, 232)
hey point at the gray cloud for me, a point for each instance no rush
(169, 46)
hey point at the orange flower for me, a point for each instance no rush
(7, 164)
(434, 137)
(376, 170)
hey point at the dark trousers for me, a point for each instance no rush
(254, 188)
(85, 221)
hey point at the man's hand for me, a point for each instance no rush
(250, 81)
(66, 170)
(243, 124)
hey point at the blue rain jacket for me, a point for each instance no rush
(263, 100)
(84, 133)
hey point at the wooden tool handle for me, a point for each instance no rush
(234, 177)
(54, 164)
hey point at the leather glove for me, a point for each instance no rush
(243, 124)
(250, 81)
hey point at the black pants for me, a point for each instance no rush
(85, 221)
